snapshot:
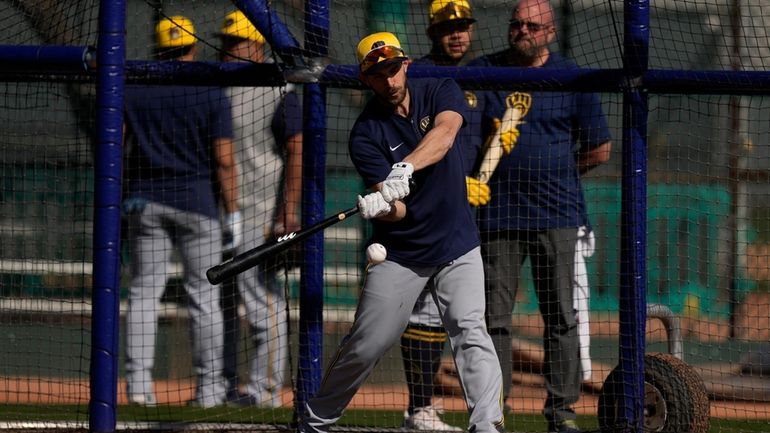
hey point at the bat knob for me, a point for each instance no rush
(214, 275)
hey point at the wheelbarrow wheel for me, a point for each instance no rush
(675, 399)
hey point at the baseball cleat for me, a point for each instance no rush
(426, 418)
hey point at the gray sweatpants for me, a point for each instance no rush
(153, 231)
(386, 302)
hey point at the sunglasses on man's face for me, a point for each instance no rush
(386, 69)
(532, 27)
(385, 53)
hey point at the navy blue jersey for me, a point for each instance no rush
(470, 138)
(537, 186)
(169, 134)
(439, 226)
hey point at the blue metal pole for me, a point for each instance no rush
(47, 58)
(275, 31)
(204, 73)
(107, 194)
(311, 281)
(633, 282)
(34, 63)
(310, 366)
(656, 81)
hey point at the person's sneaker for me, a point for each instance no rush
(142, 400)
(568, 426)
(242, 400)
(426, 418)
(202, 405)
(233, 394)
(248, 400)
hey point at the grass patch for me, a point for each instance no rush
(385, 419)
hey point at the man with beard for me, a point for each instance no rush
(537, 206)
(408, 130)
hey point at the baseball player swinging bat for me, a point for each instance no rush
(518, 106)
(257, 255)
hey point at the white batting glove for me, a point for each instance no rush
(232, 231)
(373, 205)
(396, 185)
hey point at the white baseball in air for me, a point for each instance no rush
(376, 253)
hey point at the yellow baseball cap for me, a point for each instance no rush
(378, 47)
(176, 31)
(237, 25)
(449, 10)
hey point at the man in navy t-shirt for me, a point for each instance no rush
(402, 146)
(178, 149)
(537, 206)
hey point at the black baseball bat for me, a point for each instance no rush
(255, 256)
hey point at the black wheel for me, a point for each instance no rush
(698, 395)
(675, 399)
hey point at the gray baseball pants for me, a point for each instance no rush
(386, 302)
(265, 306)
(153, 232)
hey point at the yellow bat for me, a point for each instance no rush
(518, 106)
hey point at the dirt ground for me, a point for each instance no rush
(528, 394)
(526, 399)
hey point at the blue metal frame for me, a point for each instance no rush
(107, 196)
(310, 364)
(657, 81)
(633, 218)
(273, 29)
(44, 58)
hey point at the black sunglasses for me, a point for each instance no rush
(532, 27)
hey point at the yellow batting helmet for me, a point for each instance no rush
(378, 47)
(442, 11)
(176, 31)
(237, 25)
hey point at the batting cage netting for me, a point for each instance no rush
(615, 156)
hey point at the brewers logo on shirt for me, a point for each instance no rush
(425, 124)
(471, 99)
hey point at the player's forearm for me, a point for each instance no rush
(227, 173)
(228, 177)
(595, 157)
(433, 147)
(437, 142)
(293, 181)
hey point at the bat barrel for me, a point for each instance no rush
(247, 260)
(257, 255)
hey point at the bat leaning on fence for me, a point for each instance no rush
(255, 256)
(518, 105)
